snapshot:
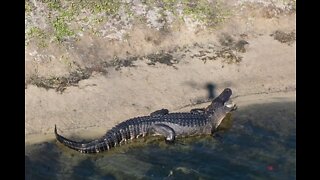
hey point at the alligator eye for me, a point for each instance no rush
(228, 90)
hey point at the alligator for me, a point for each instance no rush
(161, 123)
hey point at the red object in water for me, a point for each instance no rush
(270, 168)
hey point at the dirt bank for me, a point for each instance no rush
(252, 54)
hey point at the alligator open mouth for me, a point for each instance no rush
(230, 105)
(223, 101)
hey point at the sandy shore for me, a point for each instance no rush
(97, 131)
(102, 101)
(264, 73)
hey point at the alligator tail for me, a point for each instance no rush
(94, 146)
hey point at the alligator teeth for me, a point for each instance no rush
(229, 104)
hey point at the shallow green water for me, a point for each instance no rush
(260, 145)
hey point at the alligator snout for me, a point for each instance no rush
(225, 95)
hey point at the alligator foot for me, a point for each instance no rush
(160, 112)
(218, 137)
(165, 131)
(169, 142)
(179, 142)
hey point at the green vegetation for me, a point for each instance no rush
(108, 7)
(64, 20)
(206, 12)
(39, 35)
(210, 13)
(61, 29)
(52, 4)
(62, 13)
(28, 7)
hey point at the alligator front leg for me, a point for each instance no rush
(160, 112)
(197, 110)
(165, 131)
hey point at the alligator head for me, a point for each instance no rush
(220, 107)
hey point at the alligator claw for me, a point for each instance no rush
(218, 137)
(169, 142)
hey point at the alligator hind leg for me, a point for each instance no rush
(165, 131)
(160, 112)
